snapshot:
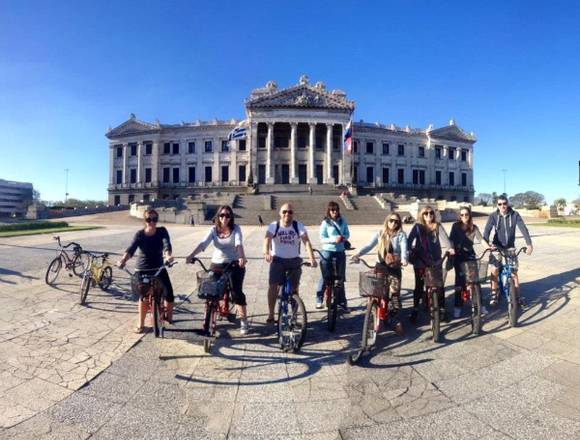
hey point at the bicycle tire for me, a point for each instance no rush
(331, 310)
(282, 321)
(157, 318)
(298, 314)
(106, 278)
(207, 319)
(475, 309)
(52, 271)
(79, 263)
(354, 358)
(85, 286)
(435, 315)
(513, 304)
(370, 326)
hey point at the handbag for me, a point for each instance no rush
(347, 245)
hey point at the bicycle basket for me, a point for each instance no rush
(141, 283)
(434, 276)
(475, 270)
(209, 285)
(372, 284)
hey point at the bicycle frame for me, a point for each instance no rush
(507, 272)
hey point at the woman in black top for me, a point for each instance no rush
(154, 246)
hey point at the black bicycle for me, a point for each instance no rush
(332, 285)
(73, 264)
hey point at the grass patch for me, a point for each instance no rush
(47, 230)
(27, 226)
(563, 223)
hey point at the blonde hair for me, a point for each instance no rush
(387, 234)
(421, 219)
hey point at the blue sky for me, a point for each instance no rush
(509, 71)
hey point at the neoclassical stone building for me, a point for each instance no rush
(294, 136)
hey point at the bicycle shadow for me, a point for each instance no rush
(10, 272)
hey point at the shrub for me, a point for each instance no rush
(26, 226)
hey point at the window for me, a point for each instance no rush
(166, 148)
(147, 175)
(131, 198)
(176, 148)
(451, 178)
(146, 197)
(225, 173)
(401, 176)
(148, 149)
(437, 177)
(419, 177)
(117, 200)
(165, 175)
(421, 151)
(355, 148)
(119, 149)
(119, 179)
(463, 179)
(451, 153)
(133, 149)
(191, 175)
(262, 143)
(385, 175)
(242, 145)
(242, 173)
(208, 147)
(370, 174)
(386, 149)
(208, 174)
(463, 155)
(225, 146)
(191, 147)
(133, 175)
(370, 148)
(175, 175)
(401, 150)
(438, 150)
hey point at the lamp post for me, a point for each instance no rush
(504, 171)
(66, 170)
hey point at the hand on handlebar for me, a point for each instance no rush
(529, 250)
(268, 258)
(313, 262)
(121, 264)
(355, 259)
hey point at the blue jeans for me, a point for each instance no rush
(326, 267)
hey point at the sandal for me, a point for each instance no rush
(139, 330)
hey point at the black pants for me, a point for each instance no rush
(237, 275)
(418, 293)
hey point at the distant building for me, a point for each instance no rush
(14, 198)
(291, 136)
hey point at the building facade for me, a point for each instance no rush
(293, 136)
(14, 198)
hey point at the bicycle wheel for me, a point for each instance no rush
(85, 286)
(513, 304)
(298, 321)
(207, 325)
(370, 326)
(331, 309)
(53, 271)
(79, 263)
(475, 309)
(106, 278)
(435, 314)
(157, 318)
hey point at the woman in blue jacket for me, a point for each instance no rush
(334, 234)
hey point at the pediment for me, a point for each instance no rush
(132, 127)
(300, 96)
(452, 133)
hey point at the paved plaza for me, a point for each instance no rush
(74, 372)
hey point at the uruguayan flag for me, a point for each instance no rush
(237, 133)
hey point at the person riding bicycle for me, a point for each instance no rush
(426, 240)
(155, 246)
(464, 234)
(392, 254)
(282, 251)
(504, 220)
(226, 237)
(334, 234)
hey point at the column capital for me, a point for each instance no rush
(293, 124)
(312, 124)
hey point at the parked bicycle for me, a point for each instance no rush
(507, 273)
(475, 273)
(73, 264)
(215, 287)
(332, 285)
(374, 286)
(434, 279)
(97, 272)
(148, 286)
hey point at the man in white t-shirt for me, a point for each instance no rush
(282, 251)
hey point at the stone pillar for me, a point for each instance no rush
(311, 169)
(293, 133)
(155, 163)
(199, 168)
(269, 148)
(346, 159)
(183, 161)
(329, 179)
(112, 156)
(253, 151)
(125, 167)
(139, 163)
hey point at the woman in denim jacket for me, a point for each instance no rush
(391, 255)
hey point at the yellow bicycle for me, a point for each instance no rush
(98, 271)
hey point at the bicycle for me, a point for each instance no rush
(98, 271)
(332, 283)
(74, 264)
(151, 288)
(507, 273)
(475, 272)
(214, 286)
(434, 279)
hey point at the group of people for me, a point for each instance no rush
(424, 247)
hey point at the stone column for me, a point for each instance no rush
(139, 163)
(311, 169)
(253, 151)
(329, 179)
(199, 168)
(269, 142)
(293, 133)
(112, 156)
(125, 167)
(155, 164)
(183, 161)
(346, 159)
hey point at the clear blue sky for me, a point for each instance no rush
(507, 70)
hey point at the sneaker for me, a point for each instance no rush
(456, 312)
(344, 308)
(493, 299)
(244, 327)
(318, 304)
(484, 310)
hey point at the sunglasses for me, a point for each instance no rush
(225, 215)
(429, 213)
(502, 204)
(289, 212)
(334, 210)
(151, 220)
(394, 220)
(463, 215)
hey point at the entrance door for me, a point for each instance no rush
(335, 174)
(302, 174)
(285, 174)
(319, 171)
(261, 174)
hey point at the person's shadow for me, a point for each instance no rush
(9, 272)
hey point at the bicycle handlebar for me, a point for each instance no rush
(157, 270)
(205, 269)
(360, 260)
(72, 243)
(503, 253)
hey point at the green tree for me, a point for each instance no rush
(560, 203)
(483, 199)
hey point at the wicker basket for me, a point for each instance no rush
(209, 285)
(141, 283)
(434, 276)
(475, 270)
(372, 284)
